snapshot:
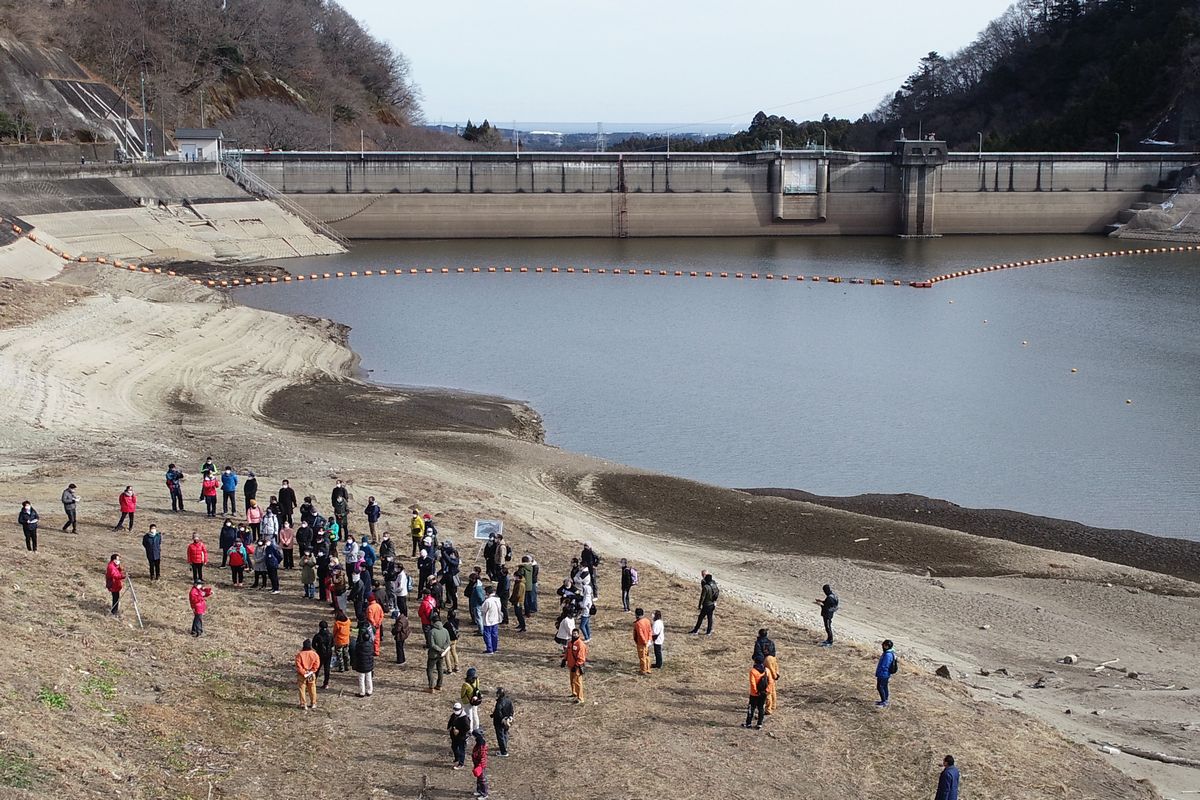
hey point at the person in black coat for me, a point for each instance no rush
(829, 606)
(28, 520)
(226, 538)
(287, 502)
(323, 644)
(589, 559)
(502, 717)
(362, 658)
(250, 487)
(763, 646)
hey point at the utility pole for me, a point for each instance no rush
(1118, 145)
(980, 134)
(145, 127)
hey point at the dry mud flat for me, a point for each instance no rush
(143, 371)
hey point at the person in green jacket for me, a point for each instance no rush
(435, 654)
(708, 602)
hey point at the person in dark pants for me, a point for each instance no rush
(127, 502)
(760, 686)
(250, 488)
(229, 482)
(829, 607)
(174, 479)
(626, 584)
(70, 503)
(948, 781)
(883, 672)
(707, 603)
(658, 631)
(459, 727)
(591, 561)
(114, 581)
(198, 599)
(152, 543)
(287, 503)
(502, 719)
(401, 630)
(28, 520)
(323, 644)
(272, 559)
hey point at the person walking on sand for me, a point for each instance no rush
(229, 482)
(373, 512)
(459, 728)
(658, 630)
(576, 660)
(451, 626)
(709, 592)
(114, 581)
(884, 670)
(437, 647)
(643, 632)
(287, 502)
(70, 504)
(28, 519)
(322, 643)
(760, 686)
(308, 664)
(152, 544)
(471, 696)
(401, 630)
(238, 556)
(197, 556)
(479, 765)
(489, 616)
(198, 600)
(629, 579)
(363, 661)
(502, 719)
(174, 480)
(829, 607)
(127, 503)
(341, 641)
(208, 492)
(947, 788)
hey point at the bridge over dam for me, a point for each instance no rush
(918, 189)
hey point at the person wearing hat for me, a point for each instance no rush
(308, 663)
(198, 600)
(471, 696)
(426, 565)
(502, 719)
(479, 765)
(459, 727)
(760, 687)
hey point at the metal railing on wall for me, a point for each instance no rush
(232, 168)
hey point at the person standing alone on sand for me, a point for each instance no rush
(576, 660)
(174, 481)
(629, 578)
(947, 788)
(70, 503)
(127, 502)
(373, 512)
(658, 630)
(642, 634)
(308, 663)
(114, 581)
(884, 670)
(152, 544)
(198, 599)
(829, 607)
(709, 592)
(28, 520)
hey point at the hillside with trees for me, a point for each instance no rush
(281, 74)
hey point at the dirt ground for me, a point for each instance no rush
(162, 371)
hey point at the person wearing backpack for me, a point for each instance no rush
(629, 579)
(760, 687)
(884, 670)
(471, 696)
(829, 607)
(502, 719)
(709, 593)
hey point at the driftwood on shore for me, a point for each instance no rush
(1149, 755)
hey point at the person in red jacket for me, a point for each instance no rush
(127, 501)
(114, 580)
(197, 556)
(208, 490)
(425, 612)
(198, 598)
(479, 765)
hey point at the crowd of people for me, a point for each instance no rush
(362, 578)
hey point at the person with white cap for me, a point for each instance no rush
(459, 727)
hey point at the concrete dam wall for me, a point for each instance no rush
(918, 190)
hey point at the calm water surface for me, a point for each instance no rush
(836, 389)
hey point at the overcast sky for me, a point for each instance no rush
(696, 61)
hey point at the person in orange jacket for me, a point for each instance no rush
(375, 617)
(576, 659)
(761, 684)
(114, 581)
(308, 662)
(197, 556)
(341, 641)
(198, 599)
(641, 640)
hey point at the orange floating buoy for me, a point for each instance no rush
(212, 283)
(570, 270)
(224, 283)
(339, 274)
(508, 269)
(474, 269)
(445, 271)
(769, 276)
(707, 275)
(491, 269)
(554, 269)
(524, 269)
(540, 269)
(353, 274)
(585, 271)
(753, 276)
(325, 275)
(897, 282)
(288, 278)
(678, 274)
(429, 270)
(171, 273)
(724, 274)
(273, 279)
(816, 278)
(460, 269)
(660, 272)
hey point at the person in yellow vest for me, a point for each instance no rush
(760, 687)
(417, 529)
(641, 640)
(308, 662)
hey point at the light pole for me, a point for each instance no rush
(824, 141)
(1118, 133)
(980, 134)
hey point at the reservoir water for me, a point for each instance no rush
(963, 392)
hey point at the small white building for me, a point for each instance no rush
(199, 144)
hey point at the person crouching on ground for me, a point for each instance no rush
(198, 600)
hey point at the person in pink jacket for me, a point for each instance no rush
(198, 599)
(127, 501)
(197, 556)
(254, 516)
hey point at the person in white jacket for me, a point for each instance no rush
(491, 612)
(658, 634)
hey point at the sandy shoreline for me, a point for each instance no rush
(139, 370)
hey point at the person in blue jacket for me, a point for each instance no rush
(947, 781)
(152, 544)
(229, 482)
(884, 671)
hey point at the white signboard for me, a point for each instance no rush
(486, 528)
(800, 176)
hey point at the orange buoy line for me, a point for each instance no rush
(1140, 251)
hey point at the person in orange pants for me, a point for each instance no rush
(641, 640)
(375, 617)
(307, 665)
(576, 658)
(771, 663)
